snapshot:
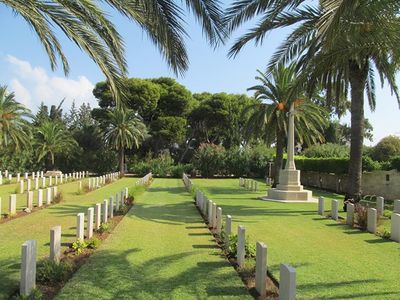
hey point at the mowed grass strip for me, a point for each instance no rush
(332, 261)
(38, 224)
(160, 250)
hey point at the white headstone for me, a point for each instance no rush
(21, 186)
(29, 200)
(90, 218)
(214, 216)
(36, 183)
(261, 268)
(126, 192)
(372, 220)
(395, 227)
(334, 210)
(105, 211)
(241, 242)
(28, 185)
(12, 204)
(219, 220)
(26, 176)
(18, 177)
(80, 226)
(40, 198)
(111, 208)
(380, 205)
(50, 180)
(287, 283)
(228, 230)
(321, 206)
(55, 244)
(48, 196)
(28, 268)
(210, 205)
(98, 216)
(43, 182)
(350, 214)
(396, 206)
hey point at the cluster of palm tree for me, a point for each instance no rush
(337, 45)
(48, 137)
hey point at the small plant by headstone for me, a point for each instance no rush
(59, 197)
(361, 215)
(49, 271)
(79, 246)
(93, 243)
(232, 249)
(104, 227)
(36, 294)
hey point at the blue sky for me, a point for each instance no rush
(26, 70)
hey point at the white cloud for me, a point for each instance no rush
(33, 85)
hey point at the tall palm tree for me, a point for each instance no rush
(87, 25)
(336, 43)
(268, 118)
(52, 138)
(124, 130)
(14, 127)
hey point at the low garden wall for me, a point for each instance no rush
(381, 183)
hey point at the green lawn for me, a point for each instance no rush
(332, 261)
(8, 189)
(160, 250)
(37, 226)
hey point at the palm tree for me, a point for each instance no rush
(336, 43)
(268, 118)
(124, 130)
(87, 25)
(52, 138)
(14, 127)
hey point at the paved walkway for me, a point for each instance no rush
(160, 250)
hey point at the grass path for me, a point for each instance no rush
(37, 226)
(160, 250)
(332, 261)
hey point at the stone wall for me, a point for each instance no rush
(380, 183)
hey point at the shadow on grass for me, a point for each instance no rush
(112, 275)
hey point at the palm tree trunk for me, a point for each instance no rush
(121, 161)
(280, 142)
(358, 76)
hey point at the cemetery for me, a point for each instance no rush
(199, 149)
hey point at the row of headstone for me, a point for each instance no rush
(213, 214)
(36, 176)
(249, 184)
(145, 180)
(186, 181)
(100, 213)
(99, 181)
(372, 215)
(49, 197)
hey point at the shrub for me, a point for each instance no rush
(50, 272)
(79, 246)
(179, 169)
(59, 197)
(368, 164)
(232, 249)
(327, 150)
(322, 165)
(104, 227)
(395, 163)
(209, 159)
(387, 148)
(93, 243)
(237, 161)
(361, 215)
(259, 156)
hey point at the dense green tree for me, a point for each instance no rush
(338, 44)
(386, 149)
(276, 93)
(124, 130)
(168, 131)
(89, 27)
(52, 138)
(14, 127)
